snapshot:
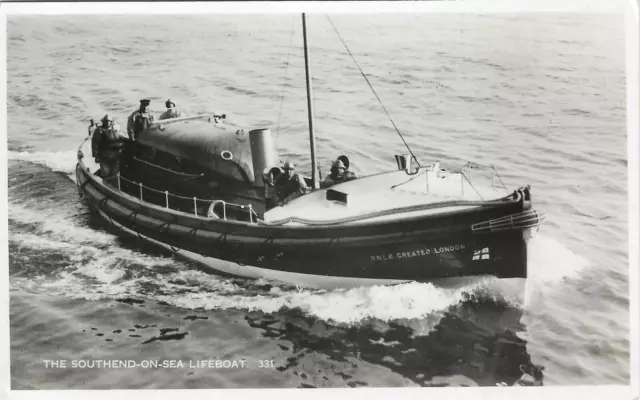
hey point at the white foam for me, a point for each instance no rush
(99, 269)
(550, 265)
(95, 274)
(61, 161)
(550, 261)
(103, 270)
(407, 301)
(56, 225)
(191, 289)
(410, 301)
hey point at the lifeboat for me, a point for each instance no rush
(200, 186)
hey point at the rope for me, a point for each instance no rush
(102, 204)
(472, 185)
(445, 203)
(133, 217)
(83, 185)
(499, 178)
(286, 69)
(373, 90)
(222, 239)
(80, 193)
(266, 244)
(165, 228)
(417, 175)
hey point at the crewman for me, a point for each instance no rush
(110, 147)
(171, 112)
(139, 120)
(269, 178)
(96, 141)
(289, 185)
(339, 173)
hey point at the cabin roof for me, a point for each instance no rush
(204, 143)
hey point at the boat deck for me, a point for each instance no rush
(376, 193)
(387, 191)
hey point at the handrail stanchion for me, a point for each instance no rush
(140, 184)
(462, 183)
(119, 182)
(195, 207)
(250, 213)
(224, 210)
(166, 199)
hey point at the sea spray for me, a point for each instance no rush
(60, 161)
(56, 225)
(97, 267)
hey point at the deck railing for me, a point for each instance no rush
(176, 202)
(469, 166)
(466, 175)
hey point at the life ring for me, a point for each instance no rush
(270, 175)
(211, 213)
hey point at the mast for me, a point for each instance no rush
(312, 139)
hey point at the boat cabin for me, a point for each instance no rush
(218, 163)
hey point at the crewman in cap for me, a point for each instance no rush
(171, 112)
(109, 148)
(289, 185)
(339, 173)
(139, 120)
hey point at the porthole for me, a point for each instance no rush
(226, 155)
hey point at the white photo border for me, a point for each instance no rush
(628, 8)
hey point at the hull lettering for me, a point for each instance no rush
(422, 252)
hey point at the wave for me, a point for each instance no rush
(94, 264)
(60, 161)
(99, 269)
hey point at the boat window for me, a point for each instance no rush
(226, 155)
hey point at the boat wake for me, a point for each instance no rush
(56, 257)
(57, 253)
(59, 161)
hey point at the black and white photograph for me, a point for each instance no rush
(212, 196)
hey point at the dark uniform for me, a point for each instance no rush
(139, 120)
(338, 174)
(96, 142)
(289, 185)
(109, 148)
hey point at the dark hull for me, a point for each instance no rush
(421, 249)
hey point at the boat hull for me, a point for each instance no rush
(246, 271)
(427, 249)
